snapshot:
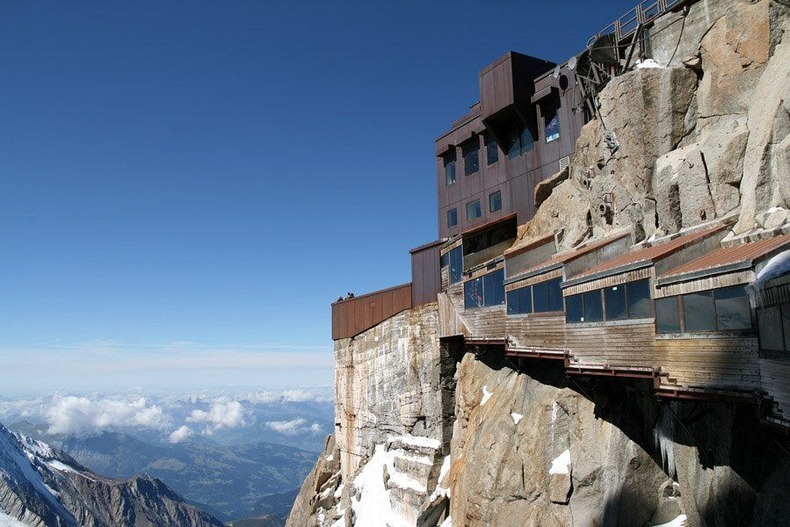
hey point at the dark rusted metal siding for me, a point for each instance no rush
(355, 315)
(425, 273)
(506, 88)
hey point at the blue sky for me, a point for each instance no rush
(185, 187)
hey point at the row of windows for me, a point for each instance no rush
(474, 210)
(538, 298)
(520, 140)
(471, 154)
(721, 309)
(487, 290)
(625, 301)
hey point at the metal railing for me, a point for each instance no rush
(644, 13)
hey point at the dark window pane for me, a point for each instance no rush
(492, 151)
(667, 315)
(519, 301)
(513, 305)
(494, 288)
(449, 169)
(786, 325)
(540, 292)
(495, 201)
(732, 308)
(527, 141)
(593, 307)
(473, 293)
(698, 311)
(615, 302)
(574, 308)
(444, 260)
(769, 320)
(471, 159)
(473, 210)
(554, 295)
(452, 218)
(513, 143)
(638, 293)
(456, 264)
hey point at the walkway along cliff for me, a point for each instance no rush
(601, 334)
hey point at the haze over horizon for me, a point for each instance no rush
(187, 186)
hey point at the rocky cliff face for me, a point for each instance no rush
(702, 136)
(427, 437)
(43, 487)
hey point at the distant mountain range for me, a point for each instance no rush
(230, 482)
(44, 487)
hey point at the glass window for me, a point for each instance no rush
(492, 150)
(452, 218)
(471, 159)
(615, 302)
(473, 293)
(513, 143)
(456, 264)
(548, 296)
(699, 312)
(593, 307)
(786, 324)
(732, 308)
(638, 294)
(667, 315)
(494, 287)
(769, 323)
(552, 121)
(495, 201)
(554, 294)
(527, 141)
(574, 309)
(449, 168)
(519, 301)
(473, 210)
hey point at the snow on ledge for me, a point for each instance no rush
(516, 418)
(561, 464)
(416, 441)
(448, 522)
(486, 396)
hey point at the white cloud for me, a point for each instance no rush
(82, 416)
(227, 414)
(293, 427)
(179, 435)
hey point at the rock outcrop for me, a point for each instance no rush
(701, 137)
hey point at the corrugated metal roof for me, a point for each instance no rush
(725, 256)
(651, 254)
(567, 256)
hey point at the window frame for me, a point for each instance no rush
(450, 175)
(478, 207)
(491, 208)
(452, 214)
(471, 151)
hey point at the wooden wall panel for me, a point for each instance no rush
(353, 316)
